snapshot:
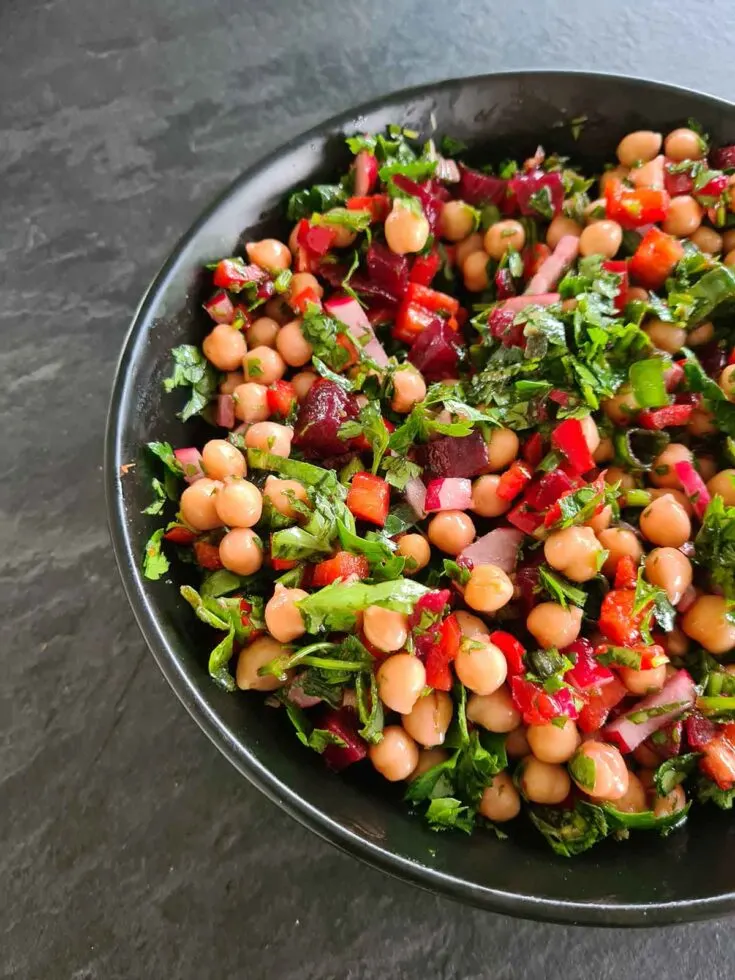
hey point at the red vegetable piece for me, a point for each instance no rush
(511, 648)
(431, 299)
(207, 555)
(617, 622)
(477, 188)
(663, 418)
(343, 723)
(513, 481)
(220, 307)
(699, 730)
(234, 274)
(655, 258)
(326, 406)
(547, 491)
(619, 269)
(533, 449)
(425, 267)
(365, 166)
(340, 566)
(180, 535)
(316, 239)
(525, 519)
(442, 653)
(455, 456)
(635, 208)
(377, 204)
(411, 321)
(435, 351)
(281, 398)
(533, 259)
(568, 437)
(432, 603)
(600, 701)
(503, 328)
(369, 498)
(586, 673)
(626, 573)
(526, 187)
(719, 758)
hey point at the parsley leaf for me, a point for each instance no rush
(369, 423)
(560, 589)
(714, 545)
(313, 738)
(155, 563)
(369, 708)
(193, 370)
(320, 197)
(570, 832)
(334, 608)
(398, 470)
(674, 771)
(709, 792)
(653, 601)
(344, 218)
(445, 812)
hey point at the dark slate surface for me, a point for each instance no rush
(129, 847)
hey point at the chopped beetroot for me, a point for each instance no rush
(723, 158)
(677, 183)
(431, 203)
(529, 186)
(699, 730)
(666, 742)
(477, 188)
(504, 285)
(325, 408)
(587, 671)
(456, 455)
(387, 270)
(713, 358)
(435, 352)
(547, 491)
(343, 723)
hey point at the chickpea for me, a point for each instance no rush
(471, 244)
(396, 755)
(232, 380)
(724, 485)
(605, 451)
(456, 221)
(670, 570)
(574, 551)
(428, 758)
(471, 626)
(663, 473)
(667, 806)
(645, 756)
(705, 622)
(502, 449)
(728, 240)
(302, 382)
(409, 388)
(488, 589)
(601, 238)
(641, 682)
(239, 504)
(727, 382)
(504, 235)
(636, 294)
(665, 336)
(500, 800)
(559, 228)
(251, 402)
(224, 347)
(277, 309)
(263, 365)
(429, 718)
(405, 230)
(707, 240)
(241, 551)
(701, 423)
(544, 782)
(591, 433)
(301, 281)
(401, 679)
(495, 712)
(615, 173)
(198, 505)
(613, 474)
(480, 666)
(220, 460)
(554, 626)
(259, 653)
(385, 629)
(474, 272)
(650, 174)
(485, 499)
(677, 643)
(269, 254)
(282, 617)
(271, 437)
(292, 345)
(729, 258)
(552, 743)
(282, 493)
(684, 217)
(451, 531)
(665, 522)
(262, 332)
(639, 147)
(516, 744)
(620, 542)
(634, 800)
(684, 144)
(622, 407)
(416, 550)
(602, 521)
(607, 778)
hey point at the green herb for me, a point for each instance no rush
(155, 563)
(159, 501)
(398, 470)
(570, 832)
(370, 424)
(674, 771)
(452, 147)
(192, 370)
(647, 381)
(344, 218)
(715, 545)
(457, 573)
(221, 583)
(369, 708)
(226, 616)
(643, 715)
(719, 708)
(164, 452)
(653, 602)
(334, 608)
(446, 813)
(709, 792)
(401, 518)
(581, 505)
(385, 563)
(321, 331)
(583, 770)
(560, 589)
(320, 197)
(313, 738)
(416, 170)
(621, 823)
(576, 126)
(542, 203)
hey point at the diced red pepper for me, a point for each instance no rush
(731, 358)
(626, 573)
(524, 518)
(617, 622)
(662, 418)
(377, 204)
(586, 673)
(712, 190)
(619, 269)
(655, 258)
(411, 320)
(425, 267)
(281, 398)
(515, 479)
(316, 239)
(431, 299)
(181, 535)
(207, 555)
(538, 707)
(533, 449)
(634, 208)
(673, 376)
(233, 274)
(719, 758)
(600, 702)
(441, 654)
(568, 437)
(369, 498)
(651, 655)
(303, 299)
(341, 565)
(511, 648)
(280, 564)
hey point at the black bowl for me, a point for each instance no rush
(643, 881)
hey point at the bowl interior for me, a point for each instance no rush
(646, 880)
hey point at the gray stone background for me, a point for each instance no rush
(129, 847)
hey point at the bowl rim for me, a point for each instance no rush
(600, 913)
